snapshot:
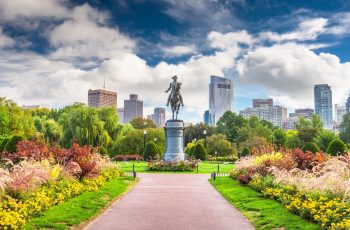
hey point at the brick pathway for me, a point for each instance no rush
(171, 202)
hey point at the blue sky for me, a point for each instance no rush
(53, 51)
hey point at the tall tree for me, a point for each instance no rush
(197, 132)
(141, 123)
(82, 125)
(229, 125)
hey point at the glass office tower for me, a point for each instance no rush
(220, 97)
(323, 104)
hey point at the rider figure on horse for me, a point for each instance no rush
(175, 89)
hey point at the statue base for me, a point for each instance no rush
(174, 140)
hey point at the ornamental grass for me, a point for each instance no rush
(44, 176)
(314, 186)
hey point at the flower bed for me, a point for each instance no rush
(314, 186)
(173, 166)
(47, 177)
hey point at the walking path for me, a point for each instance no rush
(171, 201)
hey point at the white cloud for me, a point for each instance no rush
(180, 50)
(228, 40)
(13, 9)
(307, 30)
(85, 35)
(289, 72)
(5, 41)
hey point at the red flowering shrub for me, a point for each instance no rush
(303, 160)
(33, 149)
(62, 156)
(85, 157)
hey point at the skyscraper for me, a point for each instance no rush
(262, 102)
(340, 111)
(348, 105)
(220, 97)
(323, 104)
(159, 117)
(102, 98)
(206, 117)
(133, 108)
(120, 112)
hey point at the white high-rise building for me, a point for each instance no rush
(133, 108)
(275, 114)
(220, 97)
(340, 111)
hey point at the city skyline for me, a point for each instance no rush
(53, 53)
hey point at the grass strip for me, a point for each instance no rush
(263, 212)
(81, 208)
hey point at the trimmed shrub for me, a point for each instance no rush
(336, 147)
(11, 145)
(151, 151)
(245, 152)
(199, 152)
(310, 146)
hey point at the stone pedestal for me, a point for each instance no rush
(174, 140)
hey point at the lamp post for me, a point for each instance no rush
(205, 138)
(155, 140)
(195, 140)
(144, 138)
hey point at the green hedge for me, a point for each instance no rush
(336, 147)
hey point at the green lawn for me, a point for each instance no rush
(81, 208)
(204, 167)
(263, 212)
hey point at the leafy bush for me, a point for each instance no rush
(11, 145)
(303, 160)
(134, 157)
(310, 146)
(324, 138)
(103, 151)
(151, 151)
(245, 152)
(172, 165)
(3, 142)
(336, 147)
(199, 152)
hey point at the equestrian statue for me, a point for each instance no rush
(175, 98)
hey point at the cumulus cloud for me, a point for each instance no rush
(308, 29)
(5, 41)
(180, 50)
(84, 34)
(289, 72)
(228, 40)
(14, 9)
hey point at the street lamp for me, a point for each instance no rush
(144, 138)
(195, 140)
(205, 138)
(216, 153)
(155, 139)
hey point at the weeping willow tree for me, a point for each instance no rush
(83, 125)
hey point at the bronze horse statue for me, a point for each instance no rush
(175, 98)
